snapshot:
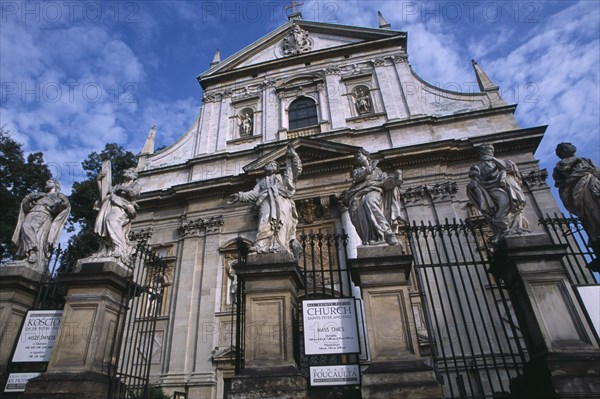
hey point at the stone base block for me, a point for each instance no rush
(379, 251)
(265, 384)
(20, 269)
(86, 385)
(270, 258)
(103, 264)
(400, 380)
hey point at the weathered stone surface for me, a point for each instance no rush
(19, 284)
(85, 356)
(404, 380)
(562, 345)
(268, 385)
(270, 258)
(84, 385)
(374, 251)
(102, 264)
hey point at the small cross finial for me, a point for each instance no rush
(295, 13)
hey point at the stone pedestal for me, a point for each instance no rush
(86, 351)
(271, 283)
(565, 360)
(397, 369)
(19, 285)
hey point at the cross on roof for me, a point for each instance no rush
(295, 13)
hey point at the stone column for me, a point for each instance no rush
(564, 356)
(19, 285)
(84, 358)
(397, 369)
(271, 284)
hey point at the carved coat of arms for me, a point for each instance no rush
(297, 41)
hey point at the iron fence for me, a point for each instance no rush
(138, 325)
(470, 326)
(51, 292)
(476, 343)
(580, 257)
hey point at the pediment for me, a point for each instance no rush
(312, 152)
(298, 37)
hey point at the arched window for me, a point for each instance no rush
(303, 113)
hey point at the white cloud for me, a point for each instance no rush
(65, 88)
(557, 70)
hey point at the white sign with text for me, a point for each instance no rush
(330, 326)
(38, 336)
(335, 375)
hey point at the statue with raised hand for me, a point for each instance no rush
(273, 197)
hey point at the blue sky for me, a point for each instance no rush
(76, 75)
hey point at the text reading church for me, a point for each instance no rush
(333, 226)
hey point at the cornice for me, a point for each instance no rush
(302, 59)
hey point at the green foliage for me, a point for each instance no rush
(154, 392)
(83, 196)
(17, 179)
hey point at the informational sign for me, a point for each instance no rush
(38, 336)
(17, 381)
(330, 326)
(335, 375)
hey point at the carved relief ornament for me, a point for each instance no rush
(296, 42)
(209, 225)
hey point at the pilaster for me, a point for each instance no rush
(388, 84)
(410, 87)
(334, 99)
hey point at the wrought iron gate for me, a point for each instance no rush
(477, 346)
(134, 350)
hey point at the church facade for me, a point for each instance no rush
(327, 90)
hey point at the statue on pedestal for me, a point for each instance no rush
(41, 219)
(372, 196)
(496, 189)
(277, 216)
(578, 183)
(117, 209)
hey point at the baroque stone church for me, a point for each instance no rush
(327, 91)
